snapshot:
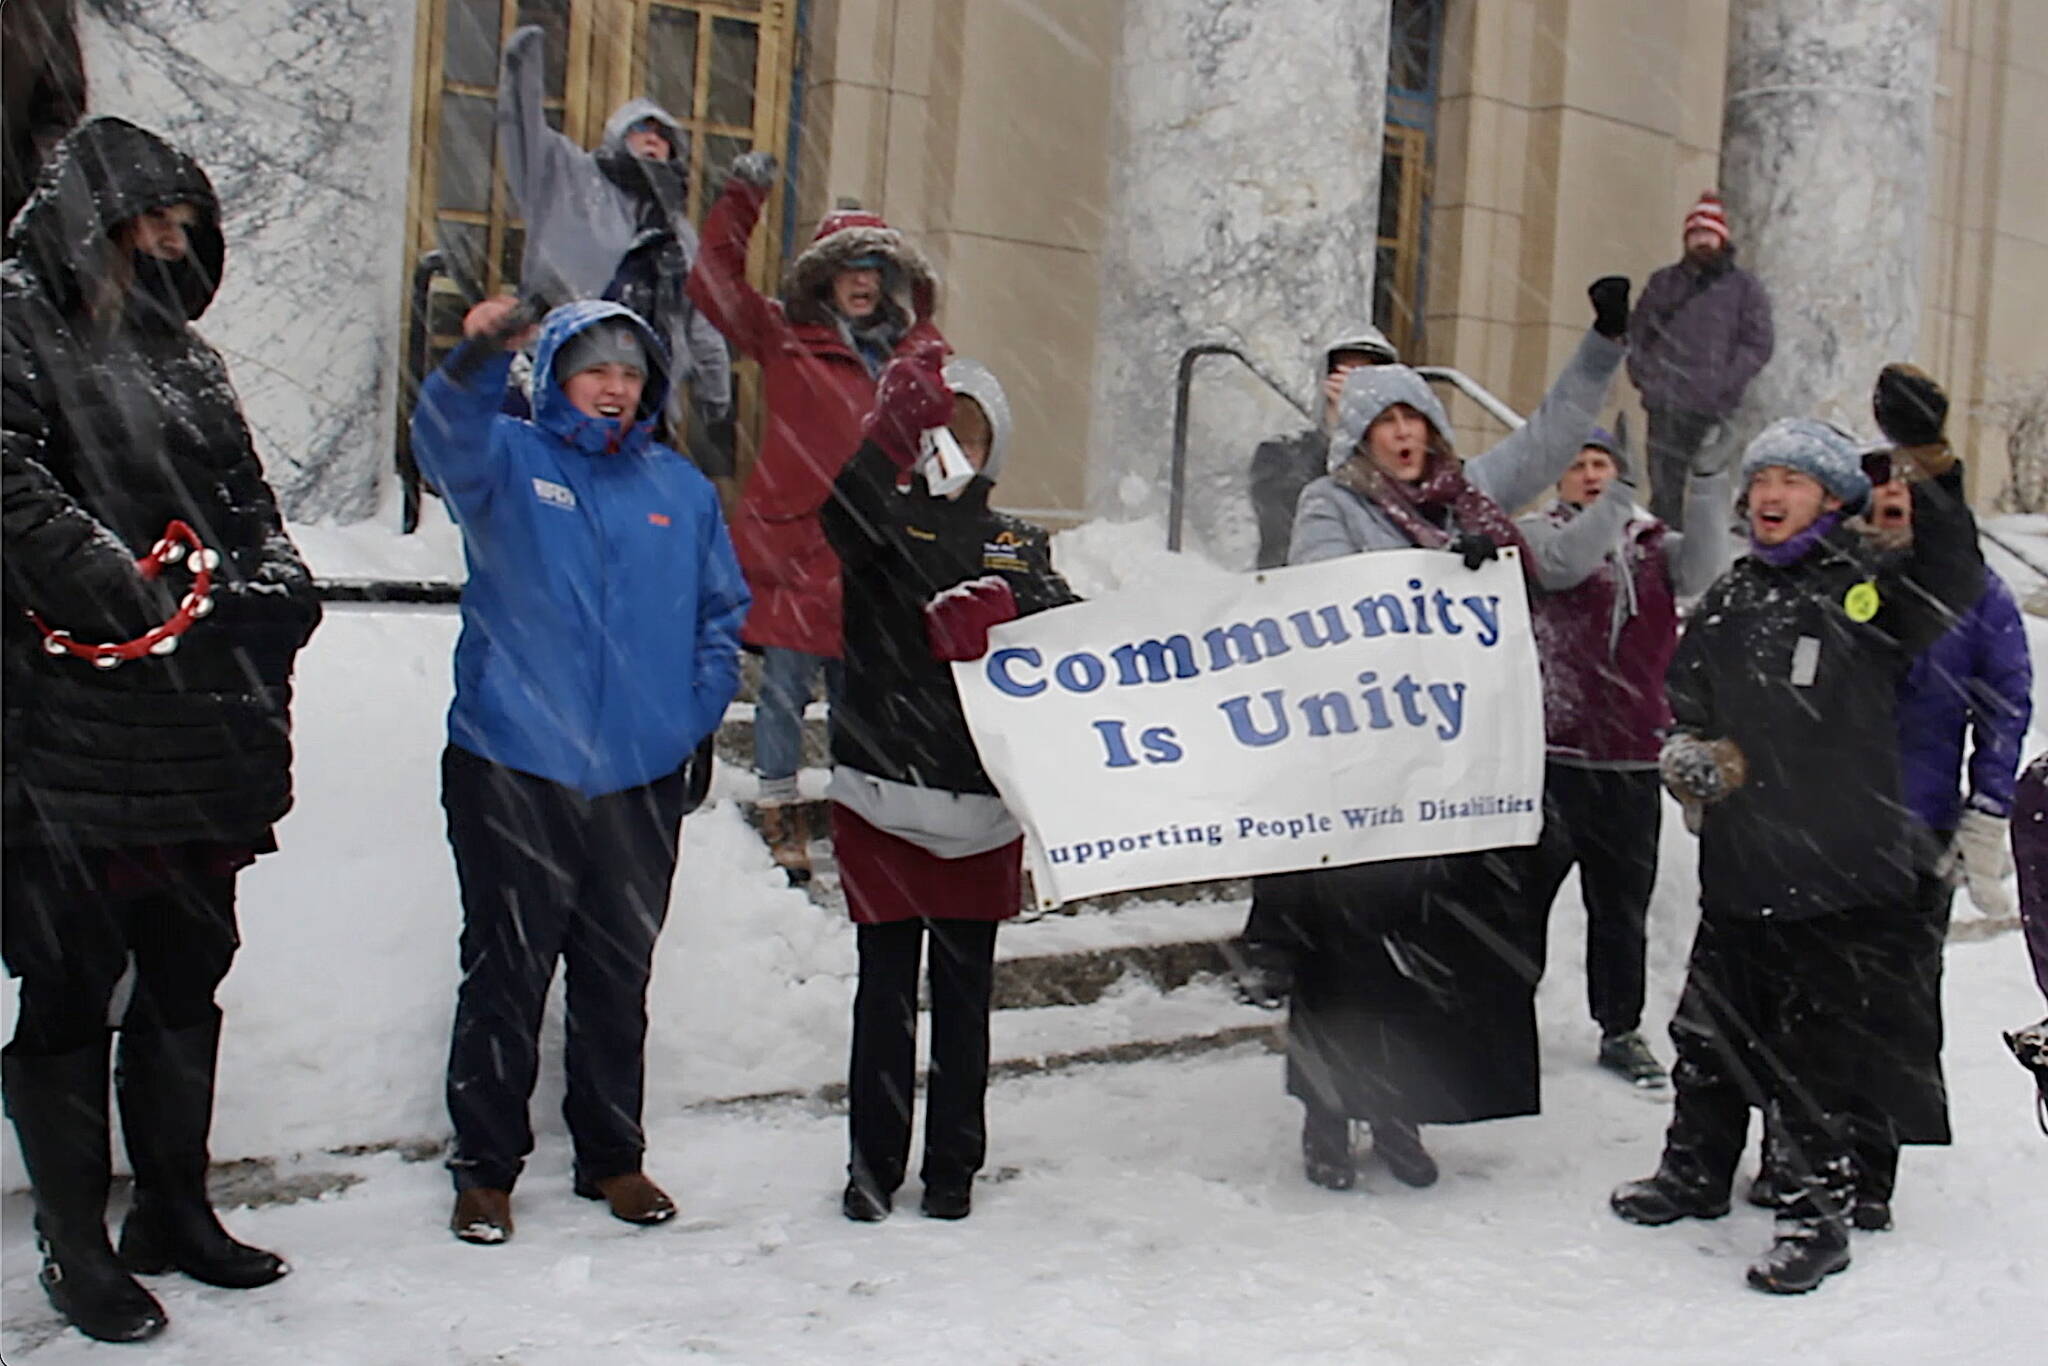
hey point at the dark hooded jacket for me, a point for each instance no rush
(1820, 825)
(898, 715)
(115, 424)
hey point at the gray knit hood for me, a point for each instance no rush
(1372, 390)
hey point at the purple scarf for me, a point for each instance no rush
(1793, 551)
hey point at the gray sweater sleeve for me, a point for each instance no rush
(538, 161)
(1530, 460)
(1568, 553)
(1697, 557)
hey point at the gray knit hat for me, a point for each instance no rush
(600, 344)
(1820, 450)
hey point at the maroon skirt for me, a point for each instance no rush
(887, 878)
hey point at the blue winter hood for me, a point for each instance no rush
(551, 407)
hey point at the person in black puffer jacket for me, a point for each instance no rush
(1785, 755)
(924, 844)
(133, 792)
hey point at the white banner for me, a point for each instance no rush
(1380, 706)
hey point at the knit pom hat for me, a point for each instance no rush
(602, 343)
(1708, 214)
(1820, 450)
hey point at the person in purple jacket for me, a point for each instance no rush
(1606, 627)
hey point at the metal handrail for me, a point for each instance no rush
(430, 264)
(1477, 392)
(1184, 375)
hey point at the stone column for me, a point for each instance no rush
(1826, 167)
(301, 113)
(1243, 208)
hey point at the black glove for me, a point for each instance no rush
(1609, 294)
(1263, 973)
(1474, 548)
(754, 168)
(1909, 406)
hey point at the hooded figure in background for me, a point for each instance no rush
(142, 773)
(858, 295)
(926, 848)
(612, 224)
(1283, 466)
(600, 646)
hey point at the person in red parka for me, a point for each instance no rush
(859, 295)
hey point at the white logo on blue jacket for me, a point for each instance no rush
(553, 494)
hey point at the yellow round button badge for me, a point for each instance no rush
(1861, 602)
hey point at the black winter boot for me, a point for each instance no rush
(1398, 1144)
(1812, 1235)
(165, 1083)
(1805, 1253)
(1326, 1148)
(59, 1108)
(1696, 1175)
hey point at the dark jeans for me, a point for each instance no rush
(1674, 441)
(74, 924)
(550, 874)
(1605, 821)
(882, 1076)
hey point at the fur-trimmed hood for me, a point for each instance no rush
(909, 282)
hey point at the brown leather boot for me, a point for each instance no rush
(782, 826)
(482, 1215)
(632, 1198)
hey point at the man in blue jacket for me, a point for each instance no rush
(600, 645)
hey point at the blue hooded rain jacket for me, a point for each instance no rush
(600, 623)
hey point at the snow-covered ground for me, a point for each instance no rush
(1150, 1212)
(1144, 1212)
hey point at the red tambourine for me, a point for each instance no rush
(179, 541)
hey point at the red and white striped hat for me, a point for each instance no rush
(1708, 214)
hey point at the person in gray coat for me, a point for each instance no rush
(1413, 991)
(1325, 520)
(611, 224)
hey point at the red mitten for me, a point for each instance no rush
(956, 622)
(911, 396)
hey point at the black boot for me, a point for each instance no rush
(865, 1200)
(1812, 1235)
(165, 1082)
(59, 1108)
(1806, 1252)
(1696, 1175)
(1398, 1143)
(1326, 1148)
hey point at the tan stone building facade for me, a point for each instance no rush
(1569, 138)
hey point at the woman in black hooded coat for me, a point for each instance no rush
(137, 782)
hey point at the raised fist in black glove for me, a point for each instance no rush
(754, 168)
(1609, 294)
(1910, 407)
(1474, 548)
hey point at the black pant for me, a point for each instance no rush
(1776, 1016)
(882, 1076)
(1606, 821)
(74, 923)
(1674, 440)
(547, 873)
